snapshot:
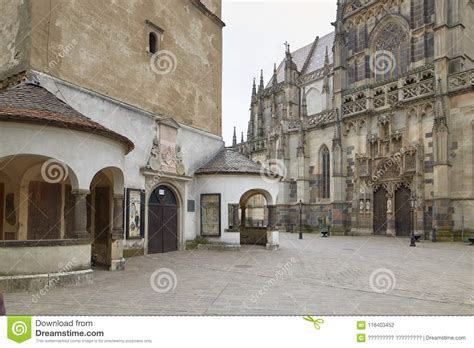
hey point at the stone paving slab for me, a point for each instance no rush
(325, 276)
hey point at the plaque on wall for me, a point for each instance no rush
(191, 206)
(135, 214)
(211, 215)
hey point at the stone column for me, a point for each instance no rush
(271, 217)
(272, 231)
(80, 214)
(117, 262)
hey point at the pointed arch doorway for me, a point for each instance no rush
(162, 221)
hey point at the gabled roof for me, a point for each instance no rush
(229, 161)
(314, 57)
(31, 103)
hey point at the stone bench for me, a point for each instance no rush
(471, 239)
(325, 233)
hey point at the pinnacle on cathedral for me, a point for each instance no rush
(326, 57)
(261, 87)
(275, 76)
(234, 139)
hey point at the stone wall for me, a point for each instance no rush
(103, 46)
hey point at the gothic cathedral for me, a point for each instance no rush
(372, 126)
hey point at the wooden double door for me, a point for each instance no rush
(401, 210)
(162, 221)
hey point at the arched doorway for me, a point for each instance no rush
(162, 221)
(257, 214)
(99, 217)
(403, 216)
(380, 211)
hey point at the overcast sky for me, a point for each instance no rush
(254, 38)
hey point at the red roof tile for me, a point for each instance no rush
(31, 103)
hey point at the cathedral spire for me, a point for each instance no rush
(242, 138)
(326, 57)
(291, 69)
(254, 88)
(261, 86)
(275, 78)
(234, 139)
(339, 10)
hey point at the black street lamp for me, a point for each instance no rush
(300, 206)
(413, 205)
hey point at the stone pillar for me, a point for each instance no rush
(117, 262)
(271, 217)
(80, 214)
(272, 231)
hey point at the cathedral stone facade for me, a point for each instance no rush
(371, 126)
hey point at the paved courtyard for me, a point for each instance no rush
(337, 275)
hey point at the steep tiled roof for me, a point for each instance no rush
(31, 103)
(315, 61)
(229, 161)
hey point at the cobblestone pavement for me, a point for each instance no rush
(324, 276)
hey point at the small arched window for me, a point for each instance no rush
(326, 173)
(152, 41)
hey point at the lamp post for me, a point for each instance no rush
(413, 205)
(300, 206)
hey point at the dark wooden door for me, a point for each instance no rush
(403, 216)
(380, 211)
(162, 221)
(44, 210)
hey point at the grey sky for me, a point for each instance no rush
(253, 39)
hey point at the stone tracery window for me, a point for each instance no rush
(390, 50)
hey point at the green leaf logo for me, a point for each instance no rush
(316, 322)
(19, 329)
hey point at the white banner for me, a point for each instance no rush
(238, 332)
